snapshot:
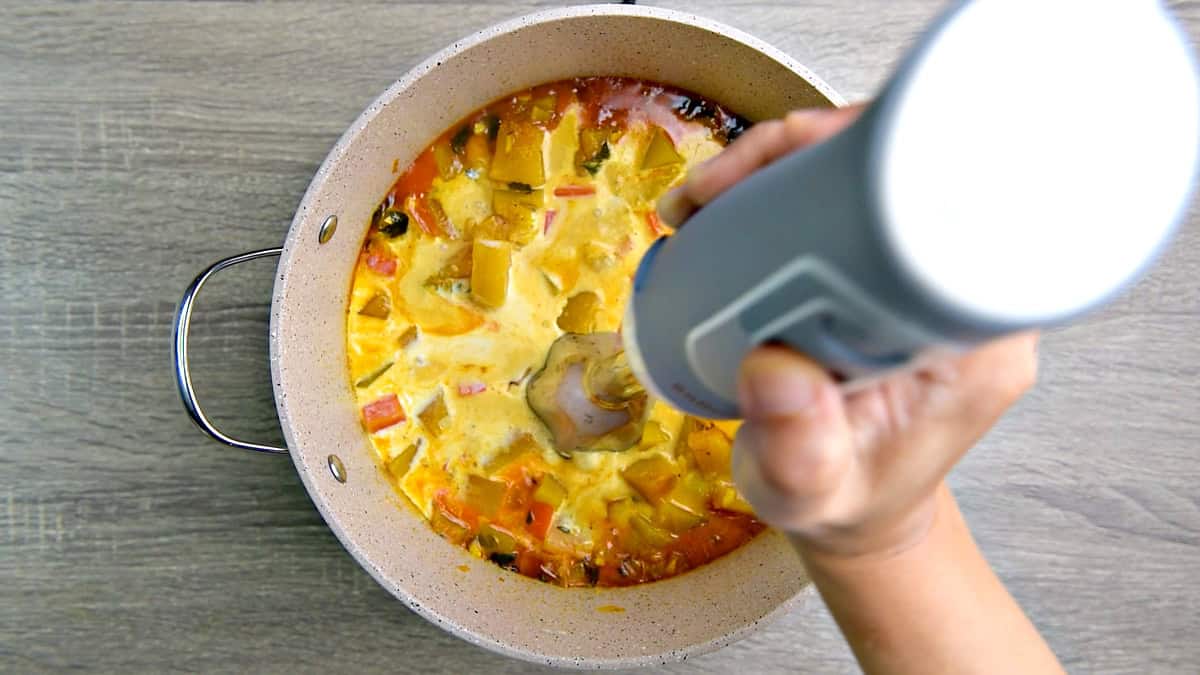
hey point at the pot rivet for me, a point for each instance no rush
(337, 468)
(327, 229)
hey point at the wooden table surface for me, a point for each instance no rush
(141, 141)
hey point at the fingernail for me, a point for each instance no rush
(776, 391)
(674, 207)
(804, 116)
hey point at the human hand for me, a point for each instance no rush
(850, 475)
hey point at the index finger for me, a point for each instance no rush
(764, 143)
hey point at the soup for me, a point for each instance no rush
(523, 222)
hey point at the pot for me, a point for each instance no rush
(696, 612)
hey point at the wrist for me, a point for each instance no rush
(880, 540)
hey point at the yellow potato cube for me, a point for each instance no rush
(661, 151)
(579, 314)
(485, 494)
(518, 157)
(652, 477)
(489, 273)
(711, 449)
(550, 491)
(726, 497)
(399, 465)
(479, 156)
(517, 213)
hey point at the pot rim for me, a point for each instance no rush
(337, 154)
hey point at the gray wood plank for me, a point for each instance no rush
(140, 141)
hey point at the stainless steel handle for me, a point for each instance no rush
(183, 376)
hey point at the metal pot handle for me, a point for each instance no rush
(183, 377)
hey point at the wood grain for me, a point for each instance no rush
(141, 141)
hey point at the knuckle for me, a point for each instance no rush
(796, 463)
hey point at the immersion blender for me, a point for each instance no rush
(1027, 160)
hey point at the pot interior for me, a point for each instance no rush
(697, 611)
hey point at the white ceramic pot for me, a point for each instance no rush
(696, 612)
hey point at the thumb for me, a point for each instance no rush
(795, 445)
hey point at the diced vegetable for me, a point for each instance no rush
(560, 266)
(599, 256)
(543, 108)
(660, 151)
(676, 519)
(382, 413)
(453, 520)
(417, 178)
(458, 265)
(384, 207)
(438, 316)
(515, 216)
(458, 142)
(558, 541)
(489, 275)
(621, 511)
(686, 505)
(393, 223)
(516, 211)
(454, 272)
(518, 155)
(485, 495)
(424, 212)
(651, 535)
(522, 445)
(653, 434)
(652, 477)
(447, 161)
(506, 560)
(489, 125)
(568, 191)
(449, 526)
(593, 164)
(726, 498)
(513, 205)
(691, 425)
(579, 314)
(434, 414)
(381, 260)
(378, 307)
(368, 379)
(541, 515)
(528, 563)
(552, 282)
(657, 228)
(582, 573)
(727, 427)
(593, 148)
(479, 154)
(470, 387)
(399, 465)
(550, 491)
(711, 449)
(562, 146)
(495, 540)
(408, 336)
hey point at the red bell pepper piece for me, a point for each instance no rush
(541, 514)
(383, 413)
(574, 190)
